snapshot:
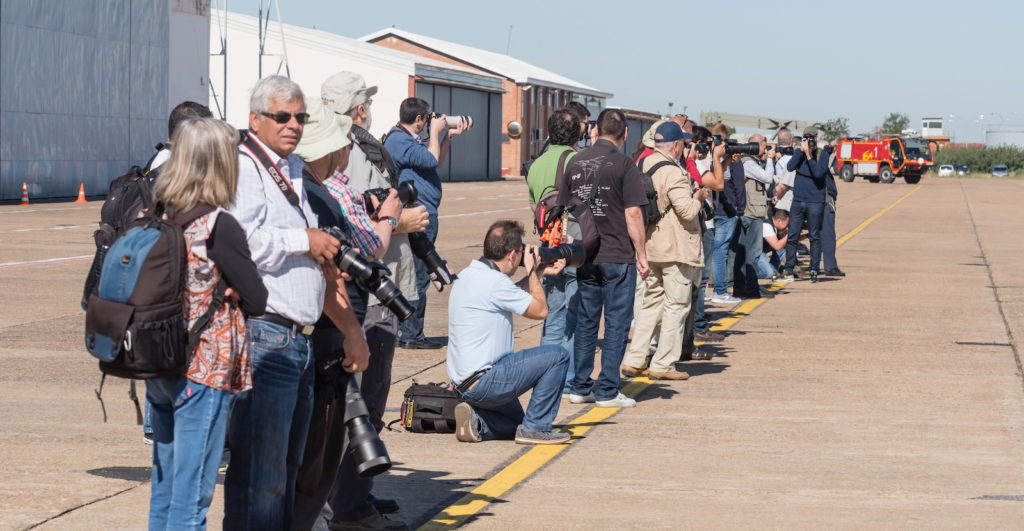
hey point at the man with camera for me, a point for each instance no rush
(754, 212)
(269, 423)
(783, 199)
(417, 161)
(675, 252)
(811, 166)
(708, 158)
(370, 167)
(611, 186)
(488, 373)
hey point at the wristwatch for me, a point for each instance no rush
(391, 221)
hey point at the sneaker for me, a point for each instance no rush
(814, 276)
(667, 375)
(708, 337)
(465, 431)
(631, 372)
(619, 401)
(787, 277)
(834, 272)
(724, 298)
(581, 399)
(147, 438)
(374, 521)
(525, 436)
(707, 297)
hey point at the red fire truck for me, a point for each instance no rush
(883, 158)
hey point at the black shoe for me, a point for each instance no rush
(384, 505)
(834, 272)
(814, 276)
(419, 344)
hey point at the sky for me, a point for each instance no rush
(808, 61)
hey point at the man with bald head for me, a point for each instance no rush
(756, 180)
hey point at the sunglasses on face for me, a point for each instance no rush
(285, 117)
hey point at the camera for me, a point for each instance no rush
(812, 142)
(749, 148)
(368, 452)
(785, 150)
(453, 121)
(407, 194)
(573, 253)
(371, 276)
(587, 128)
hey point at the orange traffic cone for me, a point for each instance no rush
(81, 194)
(24, 194)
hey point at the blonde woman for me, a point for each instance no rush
(190, 411)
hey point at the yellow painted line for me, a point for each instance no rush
(522, 468)
(872, 219)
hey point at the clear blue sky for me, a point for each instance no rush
(808, 61)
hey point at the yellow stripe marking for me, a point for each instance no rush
(522, 468)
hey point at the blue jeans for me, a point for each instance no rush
(766, 266)
(813, 213)
(147, 419)
(560, 325)
(749, 243)
(828, 237)
(724, 229)
(267, 433)
(189, 421)
(700, 320)
(495, 397)
(609, 289)
(412, 328)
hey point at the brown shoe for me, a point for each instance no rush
(632, 372)
(667, 375)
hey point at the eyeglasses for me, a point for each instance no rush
(285, 117)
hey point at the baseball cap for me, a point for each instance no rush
(811, 130)
(344, 90)
(670, 132)
(648, 139)
(324, 133)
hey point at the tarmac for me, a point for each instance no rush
(892, 398)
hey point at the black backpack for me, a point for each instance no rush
(376, 153)
(129, 194)
(653, 214)
(429, 408)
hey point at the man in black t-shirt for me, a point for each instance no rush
(607, 283)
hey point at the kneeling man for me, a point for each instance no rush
(489, 376)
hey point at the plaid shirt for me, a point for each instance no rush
(352, 207)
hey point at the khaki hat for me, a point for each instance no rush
(811, 130)
(324, 133)
(648, 139)
(345, 90)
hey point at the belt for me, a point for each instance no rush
(285, 322)
(468, 383)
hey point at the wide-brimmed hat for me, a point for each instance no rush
(324, 133)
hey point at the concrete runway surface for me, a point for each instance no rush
(892, 398)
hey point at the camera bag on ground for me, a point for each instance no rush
(429, 408)
(653, 214)
(135, 323)
(128, 195)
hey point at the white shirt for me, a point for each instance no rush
(276, 232)
(161, 157)
(480, 312)
(753, 170)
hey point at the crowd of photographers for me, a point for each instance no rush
(325, 235)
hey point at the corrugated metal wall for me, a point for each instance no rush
(476, 154)
(83, 92)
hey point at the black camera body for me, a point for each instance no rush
(785, 150)
(371, 276)
(574, 254)
(407, 194)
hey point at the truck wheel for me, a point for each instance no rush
(886, 175)
(912, 179)
(846, 173)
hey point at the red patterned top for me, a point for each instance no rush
(221, 359)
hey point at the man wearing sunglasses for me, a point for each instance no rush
(268, 425)
(417, 160)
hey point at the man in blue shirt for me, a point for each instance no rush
(417, 160)
(811, 167)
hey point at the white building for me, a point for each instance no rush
(931, 127)
(86, 87)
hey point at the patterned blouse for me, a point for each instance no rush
(354, 210)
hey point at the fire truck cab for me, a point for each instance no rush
(883, 159)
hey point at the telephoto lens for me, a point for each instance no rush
(750, 148)
(574, 253)
(437, 268)
(368, 452)
(370, 276)
(786, 150)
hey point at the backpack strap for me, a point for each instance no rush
(204, 320)
(560, 169)
(592, 196)
(650, 173)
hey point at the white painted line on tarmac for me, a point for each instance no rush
(468, 214)
(45, 261)
(58, 227)
(44, 210)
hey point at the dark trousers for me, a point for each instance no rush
(412, 328)
(608, 289)
(828, 236)
(748, 250)
(813, 214)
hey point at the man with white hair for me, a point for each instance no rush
(268, 424)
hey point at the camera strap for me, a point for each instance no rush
(489, 263)
(259, 154)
